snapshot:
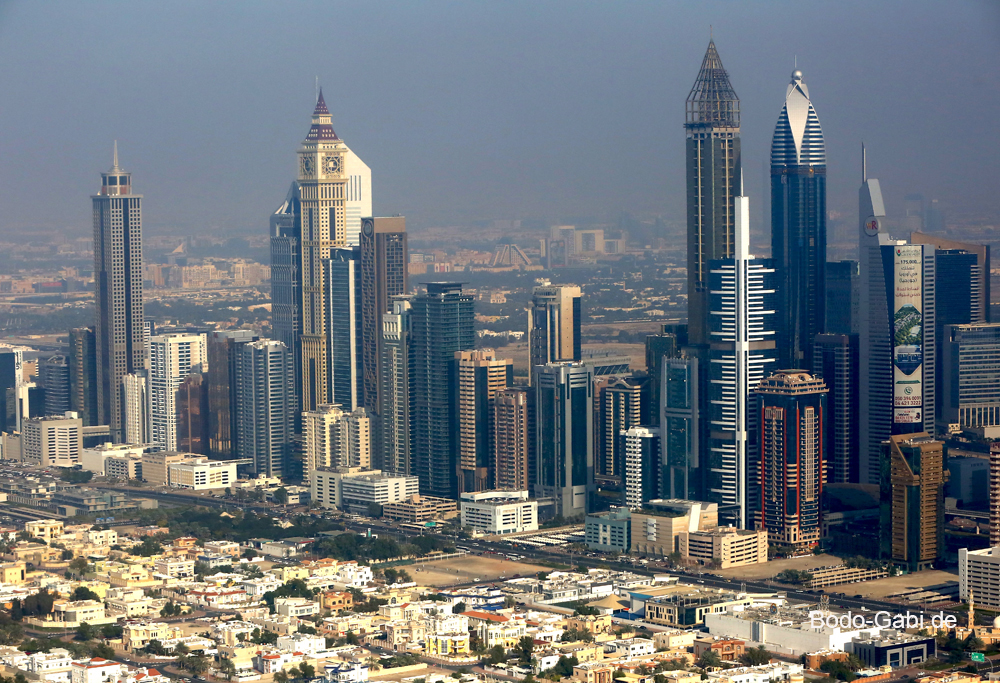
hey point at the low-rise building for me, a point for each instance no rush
(296, 607)
(201, 473)
(727, 546)
(728, 649)
(418, 509)
(629, 648)
(979, 574)
(499, 512)
(892, 648)
(656, 527)
(353, 488)
(609, 532)
(137, 634)
(687, 608)
(46, 529)
(175, 567)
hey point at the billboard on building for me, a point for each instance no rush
(908, 334)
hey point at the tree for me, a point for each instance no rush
(974, 643)
(227, 668)
(84, 593)
(351, 638)
(154, 647)
(709, 659)
(249, 553)
(85, 631)
(374, 510)
(525, 646)
(755, 656)
(839, 670)
(496, 654)
(459, 608)
(280, 677)
(102, 650)
(308, 670)
(280, 496)
(79, 565)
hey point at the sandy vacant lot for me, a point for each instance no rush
(469, 568)
(897, 584)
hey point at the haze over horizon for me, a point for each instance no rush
(475, 111)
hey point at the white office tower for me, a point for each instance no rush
(896, 333)
(52, 441)
(264, 405)
(135, 392)
(336, 438)
(396, 396)
(742, 301)
(172, 357)
(343, 278)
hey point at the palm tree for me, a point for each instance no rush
(227, 668)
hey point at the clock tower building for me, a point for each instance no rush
(334, 188)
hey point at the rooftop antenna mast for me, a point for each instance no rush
(864, 163)
(317, 88)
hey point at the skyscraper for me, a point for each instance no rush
(117, 290)
(223, 354)
(384, 259)
(286, 283)
(264, 406)
(642, 469)
(842, 292)
(623, 402)
(54, 374)
(478, 376)
(897, 335)
(912, 489)
(660, 346)
(396, 396)
(742, 353)
(83, 374)
(334, 193)
(970, 365)
(791, 410)
(135, 393)
(835, 361)
(192, 414)
(680, 428)
(337, 438)
(514, 438)
(172, 358)
(343, 300)
(441, 323)
(712, 123)
(564, 436)
(554, 318)
(798, 224)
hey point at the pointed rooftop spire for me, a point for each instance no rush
(322, 127)
(712, 100)
(321, 109)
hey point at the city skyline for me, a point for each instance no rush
(464, 111)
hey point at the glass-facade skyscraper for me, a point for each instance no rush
(798, 225)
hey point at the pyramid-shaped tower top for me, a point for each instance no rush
(712, 101)
(322, 126)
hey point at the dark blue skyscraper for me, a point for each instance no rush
(798, 225)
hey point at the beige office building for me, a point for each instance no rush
(553, 325)
(52, 441)
(154, 466)
(480, 376)
(731, 547)
(512, 438)
(334, 438)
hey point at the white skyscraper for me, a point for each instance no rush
(335, 438)
(172, 358)
(135, 388)
(396, 397)
(742, 314)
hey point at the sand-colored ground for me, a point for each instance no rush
(469, 568)
(769, 569)
(896, 584)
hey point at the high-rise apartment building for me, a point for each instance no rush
(117, 291)
(343, 281)
(788, 486)
(172, 358)
(970, 366)
(514, 438)
(554, 317)
(955, 282)
(396, 397)
(622, 401)
(642, 468)
(334, 193)
(913, 492)
(441, 324)
(223, 354)
(384, 259)
(478, 376)
(798, 224)
(995, 494)
(835, 361)
(135, 394)
(83, 374)
(842, 292)
(54, 375)
(337, 438)
(680, 428)
(264, 403)
(11, 388)
(192, 414)
(564, 436)
(667, 344)
(743, 302)
(712, 124)
(286, 284)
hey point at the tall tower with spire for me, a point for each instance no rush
(798, 224)
(712, 123)
(119, 338)
(334, 193)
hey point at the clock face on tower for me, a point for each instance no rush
(307, 166)
(333, 164)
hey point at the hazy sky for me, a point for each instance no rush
(477, 110)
